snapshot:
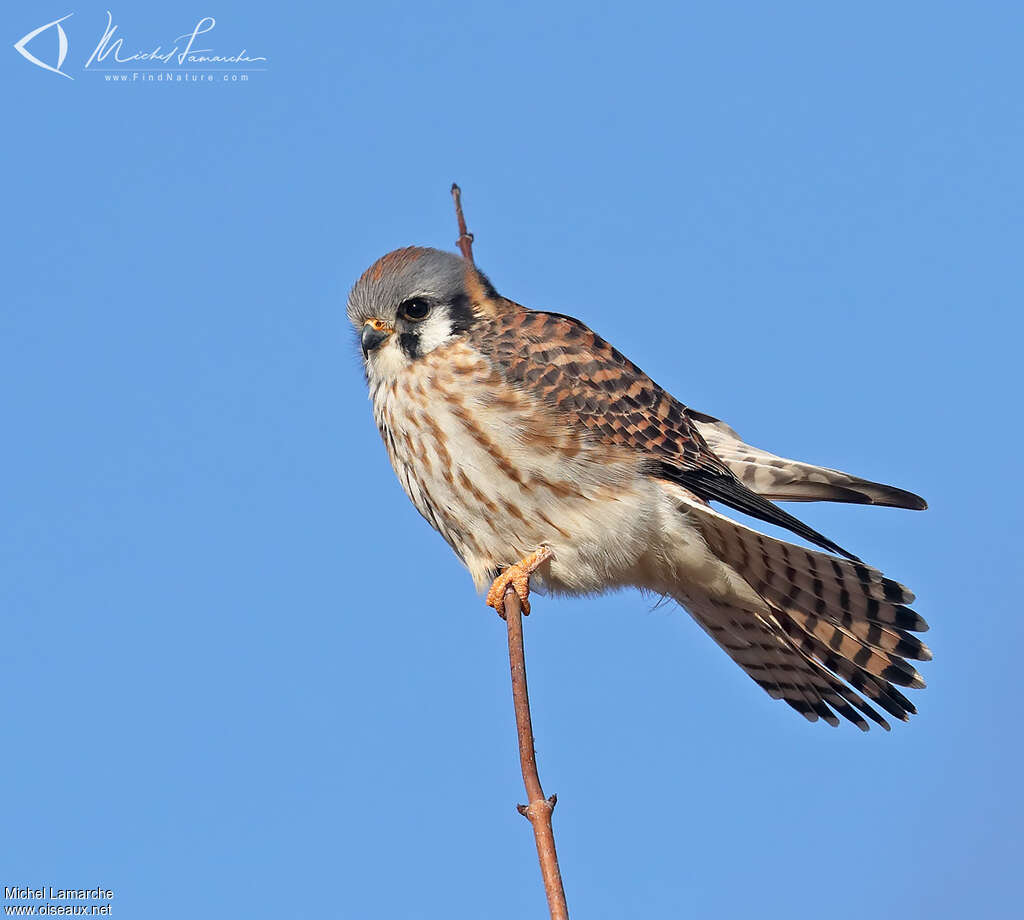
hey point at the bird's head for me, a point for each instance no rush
(412, 301)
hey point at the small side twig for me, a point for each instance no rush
(538, 809)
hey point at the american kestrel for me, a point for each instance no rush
(536, 449)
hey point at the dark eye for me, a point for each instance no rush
(415, 309)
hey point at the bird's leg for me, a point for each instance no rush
(518, 576)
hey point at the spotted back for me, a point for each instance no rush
(592, 384)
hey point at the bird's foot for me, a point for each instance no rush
(518, 577)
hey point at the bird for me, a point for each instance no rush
(539, 452)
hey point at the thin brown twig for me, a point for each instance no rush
(538, 809)
(465, 240)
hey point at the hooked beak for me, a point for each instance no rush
(374, 332)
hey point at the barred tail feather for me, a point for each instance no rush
(833, 636)
(779, 666)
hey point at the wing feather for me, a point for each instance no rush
(587, 381)
(781, 479)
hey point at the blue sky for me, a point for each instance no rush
(241, 676)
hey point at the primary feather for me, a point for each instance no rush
(790, 480)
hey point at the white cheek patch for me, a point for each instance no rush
(433, 332)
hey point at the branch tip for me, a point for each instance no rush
(465, 240)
